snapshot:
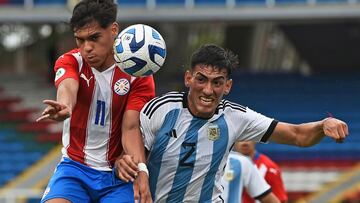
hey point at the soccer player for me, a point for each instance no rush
(268, 169)
(100, 107)
(240, 172)
(190, 134)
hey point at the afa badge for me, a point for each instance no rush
(213, 132)
(122, 86)
(229, 175)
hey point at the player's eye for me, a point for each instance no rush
(94, 38)
(218, 83)
(79, 41)
(200, 79)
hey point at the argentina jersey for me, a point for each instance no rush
(240, 172)
(187, 154)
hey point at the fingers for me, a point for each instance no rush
(54, 111)
(125, 175)
(52, 103)
(144, 190)
(44, 117)
(127, 168)
(136, 190)
(336, 129)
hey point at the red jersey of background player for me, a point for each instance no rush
(92, 135)
(272, 175)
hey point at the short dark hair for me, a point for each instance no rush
(86, 11)
(213, 55)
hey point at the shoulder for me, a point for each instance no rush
(226, 105)
(164, 103)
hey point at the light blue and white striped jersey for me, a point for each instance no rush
(188, 154)
(241, 172)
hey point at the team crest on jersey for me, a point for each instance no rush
(213, 132)
(122, 86)
(59, 73)
(229, 175)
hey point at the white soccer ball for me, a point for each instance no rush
(139, 50)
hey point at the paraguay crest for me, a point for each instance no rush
(122, 86)
(213, 131)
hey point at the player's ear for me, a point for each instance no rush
(228, 86)
(187, 78)
(114, 30)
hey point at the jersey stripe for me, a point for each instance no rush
(156, 100)
(157, 151)
(219, 150)
(232, 105)
(162, 103)
(234, 186)
(115, 144)
(184, 170)
(80, 117)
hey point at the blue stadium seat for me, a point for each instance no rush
(179, 3)
(210, 2)
(250, 2)
(132, 3)
(49, 2)
(298, 99)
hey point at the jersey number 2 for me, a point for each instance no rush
(188, 159)
(100, 113)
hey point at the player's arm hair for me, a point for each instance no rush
(131, 135)
(302, 135)
(67, 92)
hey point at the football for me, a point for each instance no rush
(139, 50)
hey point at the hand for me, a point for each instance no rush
(336, 129)
(126, 167)
(141, 188)
(55, 111)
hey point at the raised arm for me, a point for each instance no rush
(61, 109)
(308, 134)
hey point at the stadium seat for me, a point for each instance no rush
(132, 3)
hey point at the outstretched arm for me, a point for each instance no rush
(61, 109)
(308, 134)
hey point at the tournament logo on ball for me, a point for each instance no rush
(122, 86)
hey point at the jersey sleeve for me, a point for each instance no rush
(66, 66)
(257, 127)
(142, 91)
(255, 184)
(149, 125)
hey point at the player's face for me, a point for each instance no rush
(245, 148)
(96, 44)
(207, 86)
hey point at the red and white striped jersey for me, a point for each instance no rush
(92, 135)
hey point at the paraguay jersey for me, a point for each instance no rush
(92, 135)
(188, 154)
(272, 174)
(241, 172)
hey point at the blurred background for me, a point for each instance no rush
(299, 62)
